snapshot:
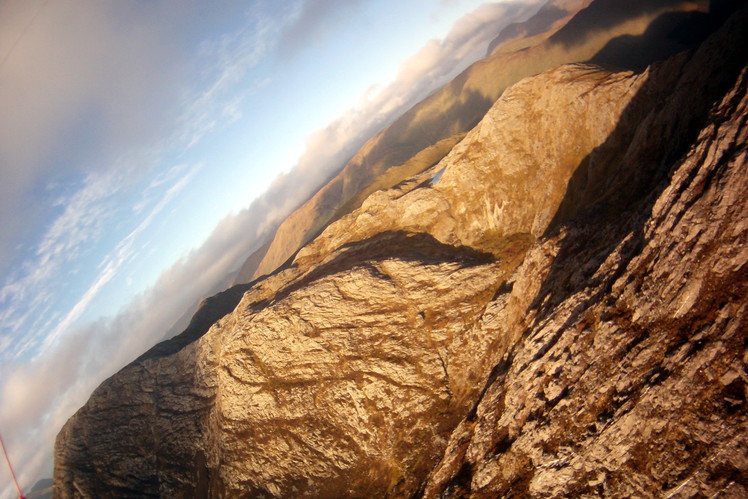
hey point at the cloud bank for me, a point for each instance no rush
(50, 91)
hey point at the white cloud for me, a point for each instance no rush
(25, 297)
(123, 253)
(145, 71)
(89, 80)
(78, 76)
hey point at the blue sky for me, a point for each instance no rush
(146, 147)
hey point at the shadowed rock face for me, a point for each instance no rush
(557, 308)
(623, 367)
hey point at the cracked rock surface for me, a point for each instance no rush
(624, 366)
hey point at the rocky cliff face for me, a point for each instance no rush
(556, 308)
(623, 365)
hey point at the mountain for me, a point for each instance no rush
(42, 489)
(563, 31)
(249, 267)
(556, 308)
(551, 17)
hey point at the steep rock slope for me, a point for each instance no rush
(323, 383)
(623, 367)
(428, 128)
(509, 176)
(445, 352)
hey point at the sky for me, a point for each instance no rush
(148, 147)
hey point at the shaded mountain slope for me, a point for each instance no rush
(553, 14)
(249, 267)
(208, 312)
(559, 316)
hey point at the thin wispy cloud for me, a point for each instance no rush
(124, 252)
(227, 61)
(90, 208)
(84, 214)
(312, 21)
(45, 85)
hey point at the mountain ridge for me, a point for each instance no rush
(597, 264)
(458, 106)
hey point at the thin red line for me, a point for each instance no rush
(10, 467)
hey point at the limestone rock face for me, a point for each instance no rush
(557, 308)
(340, 381)
(624, 368)
(509, 175)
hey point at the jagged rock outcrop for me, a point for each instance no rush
(554, 314)
(509, 176)
(623, 371)
(329, 382)
(624, 367)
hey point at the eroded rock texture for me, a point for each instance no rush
(557, 308)
(335, 382)
(624, 368)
